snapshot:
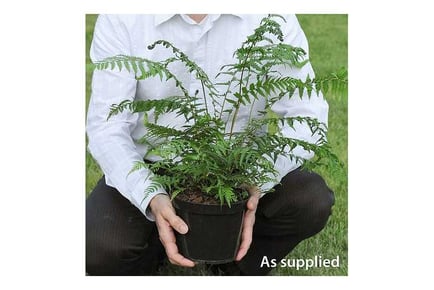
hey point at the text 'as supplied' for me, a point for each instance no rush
(301, 264)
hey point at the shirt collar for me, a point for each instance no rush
(161, 18)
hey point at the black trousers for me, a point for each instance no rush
(121, 241)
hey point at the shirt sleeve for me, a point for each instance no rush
(110, 141)
(314, 106)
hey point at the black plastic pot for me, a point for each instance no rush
(214, 231)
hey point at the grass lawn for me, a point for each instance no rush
(328, 42)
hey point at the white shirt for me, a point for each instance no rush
(211, 44)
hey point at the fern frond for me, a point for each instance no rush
(138, 165)
(155, 130)
(335, 83)
(206, 153)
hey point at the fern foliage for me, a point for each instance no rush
(207, 154)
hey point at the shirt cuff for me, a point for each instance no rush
(141, 199)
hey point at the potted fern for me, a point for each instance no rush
(207, 164)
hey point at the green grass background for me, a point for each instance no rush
(328, 43)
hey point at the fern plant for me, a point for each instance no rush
(209, 154)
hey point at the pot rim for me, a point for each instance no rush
(209, 209)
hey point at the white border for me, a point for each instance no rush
(42, 147)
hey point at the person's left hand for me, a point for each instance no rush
(249, 221)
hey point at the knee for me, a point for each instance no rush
(301, 205)
(314, 206)
(108, 258)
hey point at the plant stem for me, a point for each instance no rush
(237, 109)
(225, 97)
(204, 96)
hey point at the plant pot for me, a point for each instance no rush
(214, 231)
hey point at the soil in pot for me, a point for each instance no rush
(214, 229)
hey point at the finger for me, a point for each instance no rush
(246, 235)
(252, 203)
(165, 232)
(175, 222)
(166, 212)
(255, 194)
(249, 219)
(244, 247)
(167, 238)
(175, 257)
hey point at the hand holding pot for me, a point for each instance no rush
(249, 221)
(166, 220)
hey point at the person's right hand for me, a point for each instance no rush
(167, 220)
